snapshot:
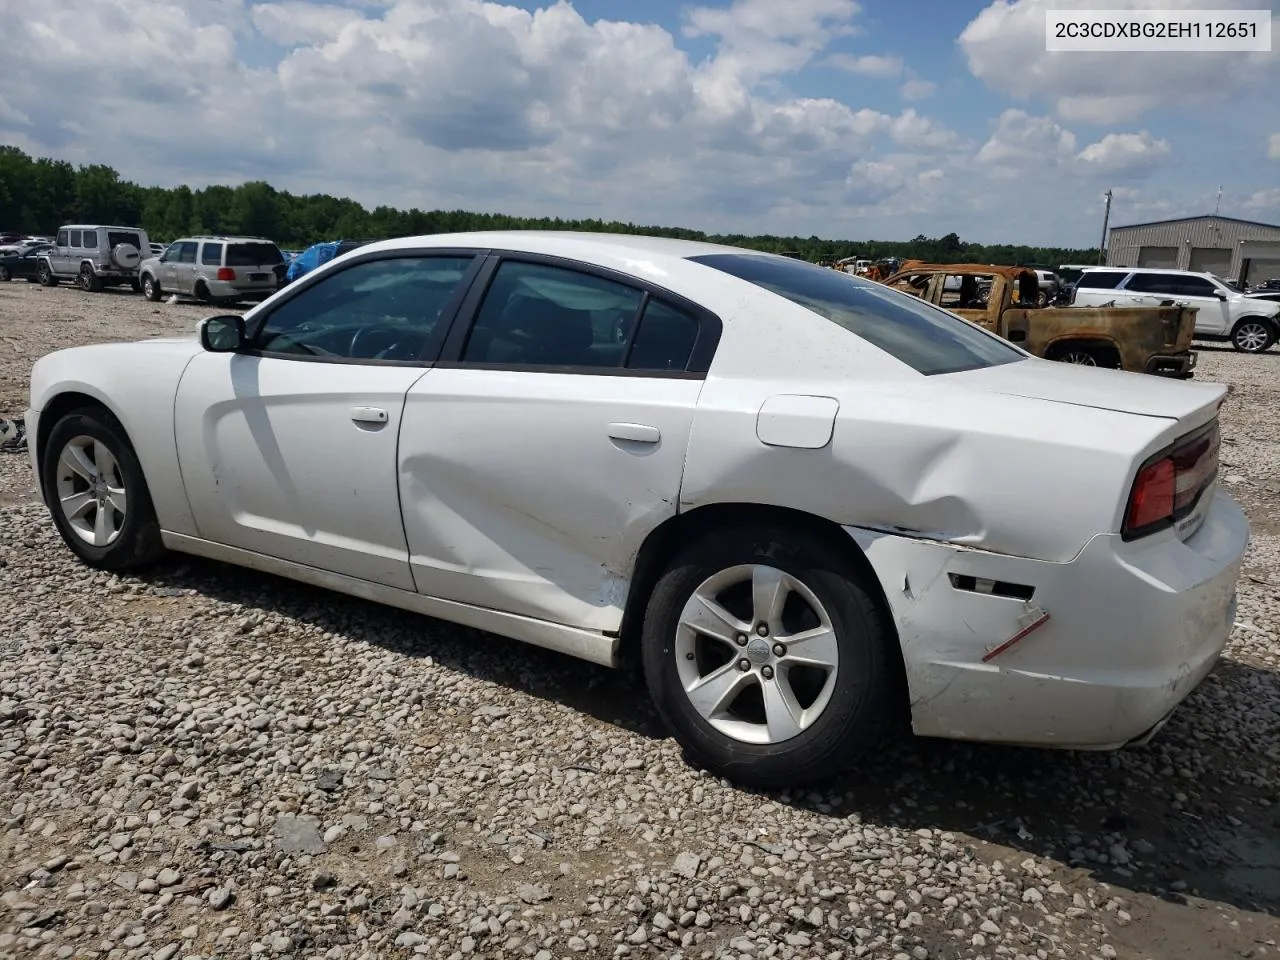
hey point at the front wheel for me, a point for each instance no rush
(767, 658)
(1253, 336)
(151, 288)
(45, 275)
(94, 487)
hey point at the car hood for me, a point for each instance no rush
(1137, 393)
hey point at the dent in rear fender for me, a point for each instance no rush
(137, 382)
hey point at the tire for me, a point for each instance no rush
(45, 275)
(852, 700)
(89, 281)
(4, 275)
(1081, 356)
(124, 539)
(135, 285)
(201, 293)
(151, 288)
(1253, 335)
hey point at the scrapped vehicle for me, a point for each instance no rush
(806, 503)
(21, 266)
(94, 257)
(1222, 312)
(1154, 340)
(218, 270)
(317, 255)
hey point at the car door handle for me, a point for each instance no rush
(369, 415)
(635, 432)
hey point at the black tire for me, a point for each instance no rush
(866, 682)
(1253, 335)
(138, 540)
(151, 288)
(89, 281)
(202, 292)
(45, 275)
(5, 277)
(135, 285)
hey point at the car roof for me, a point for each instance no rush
(1163, 270)
(99, 226)
(571, 244)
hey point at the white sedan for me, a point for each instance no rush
(805, 502)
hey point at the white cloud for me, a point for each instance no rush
(1273, 147)
(1023, 140)
(918, 90)
(867, 66)
(1125, 154)
(294, 22)
(1005, 48)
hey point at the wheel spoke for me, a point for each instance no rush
(101, 528)
(768, 595)
(103, 458)
(781, 709)
(812, 648)
(118, 498)
(712, 694)
(74, 458)
(74, 506)
(704, 616)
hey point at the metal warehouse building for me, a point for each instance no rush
(1239, 250)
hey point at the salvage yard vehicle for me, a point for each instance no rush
(94, 257)
(216, 269)
(1151, 339)
(804, 501)
(20, 266)
(1223, 313)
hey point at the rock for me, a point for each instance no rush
(639, 935)
(533, 892)
(299, 835)
(168, 877)
(220, 898)
(686, 865)
(329, 780)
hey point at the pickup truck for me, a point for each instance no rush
(1154, 339)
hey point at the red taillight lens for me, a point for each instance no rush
(226, 273)
(1153, 496)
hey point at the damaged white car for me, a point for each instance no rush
(803, 500)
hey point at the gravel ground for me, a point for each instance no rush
(207, 762)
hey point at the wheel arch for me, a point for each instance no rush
(1272, 322)
(668, 538)
(1103, 346)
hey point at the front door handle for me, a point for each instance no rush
(635, 432)
(369, 415)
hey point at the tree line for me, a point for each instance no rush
(37, 195)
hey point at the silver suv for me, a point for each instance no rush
(217, 270)
(94, 256)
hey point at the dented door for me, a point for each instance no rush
(530, 492)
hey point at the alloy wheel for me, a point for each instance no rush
(1252, 337)
(90, 490)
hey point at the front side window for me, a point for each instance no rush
(929, 340)
(966, 291)
(187, 251)
(1197, 287)
(63, 239)
(388, 309)
(211, 254)
(540, 315)
(75, 238)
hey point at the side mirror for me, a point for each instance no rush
(223, 333)
(1220, 295)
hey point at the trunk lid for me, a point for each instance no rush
(1190, 404)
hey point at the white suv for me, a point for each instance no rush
(1221, 313)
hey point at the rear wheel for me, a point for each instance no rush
(4, 275)
(90, 282)
(1253, 335)
(95, 489)
(1081, 356)
(767, 658)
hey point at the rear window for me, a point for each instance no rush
(925, 338)
(117, 237)
(1100, 280)
(253, 255)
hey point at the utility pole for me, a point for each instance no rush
(1106, 219)
(1218, 206)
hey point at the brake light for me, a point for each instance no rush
(226, 273)
(1169, 486)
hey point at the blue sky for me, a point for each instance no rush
(858, 120)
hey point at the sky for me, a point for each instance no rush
(845, 119)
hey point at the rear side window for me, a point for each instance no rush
(211, 254)
(665, 339)
(75, 238)
(929, 340)
(253, 255)
(1100, 280)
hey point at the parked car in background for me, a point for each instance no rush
(94, 256)
(157, 249)
(1273, 296)
(1221, 312)
(806, 502)
(1263, 286)
(20, 266)
(317, 255)
(218, 270)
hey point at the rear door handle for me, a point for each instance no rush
(369, 415)
(635, 432)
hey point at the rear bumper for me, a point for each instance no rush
(1133, 628)
(1176, 365)
(236, 290)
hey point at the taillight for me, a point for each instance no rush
(1169, 486)
(226, 273)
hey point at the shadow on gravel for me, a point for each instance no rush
(1195, 813)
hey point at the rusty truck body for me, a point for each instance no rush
(1154, 340)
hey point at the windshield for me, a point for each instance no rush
(924, 337)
